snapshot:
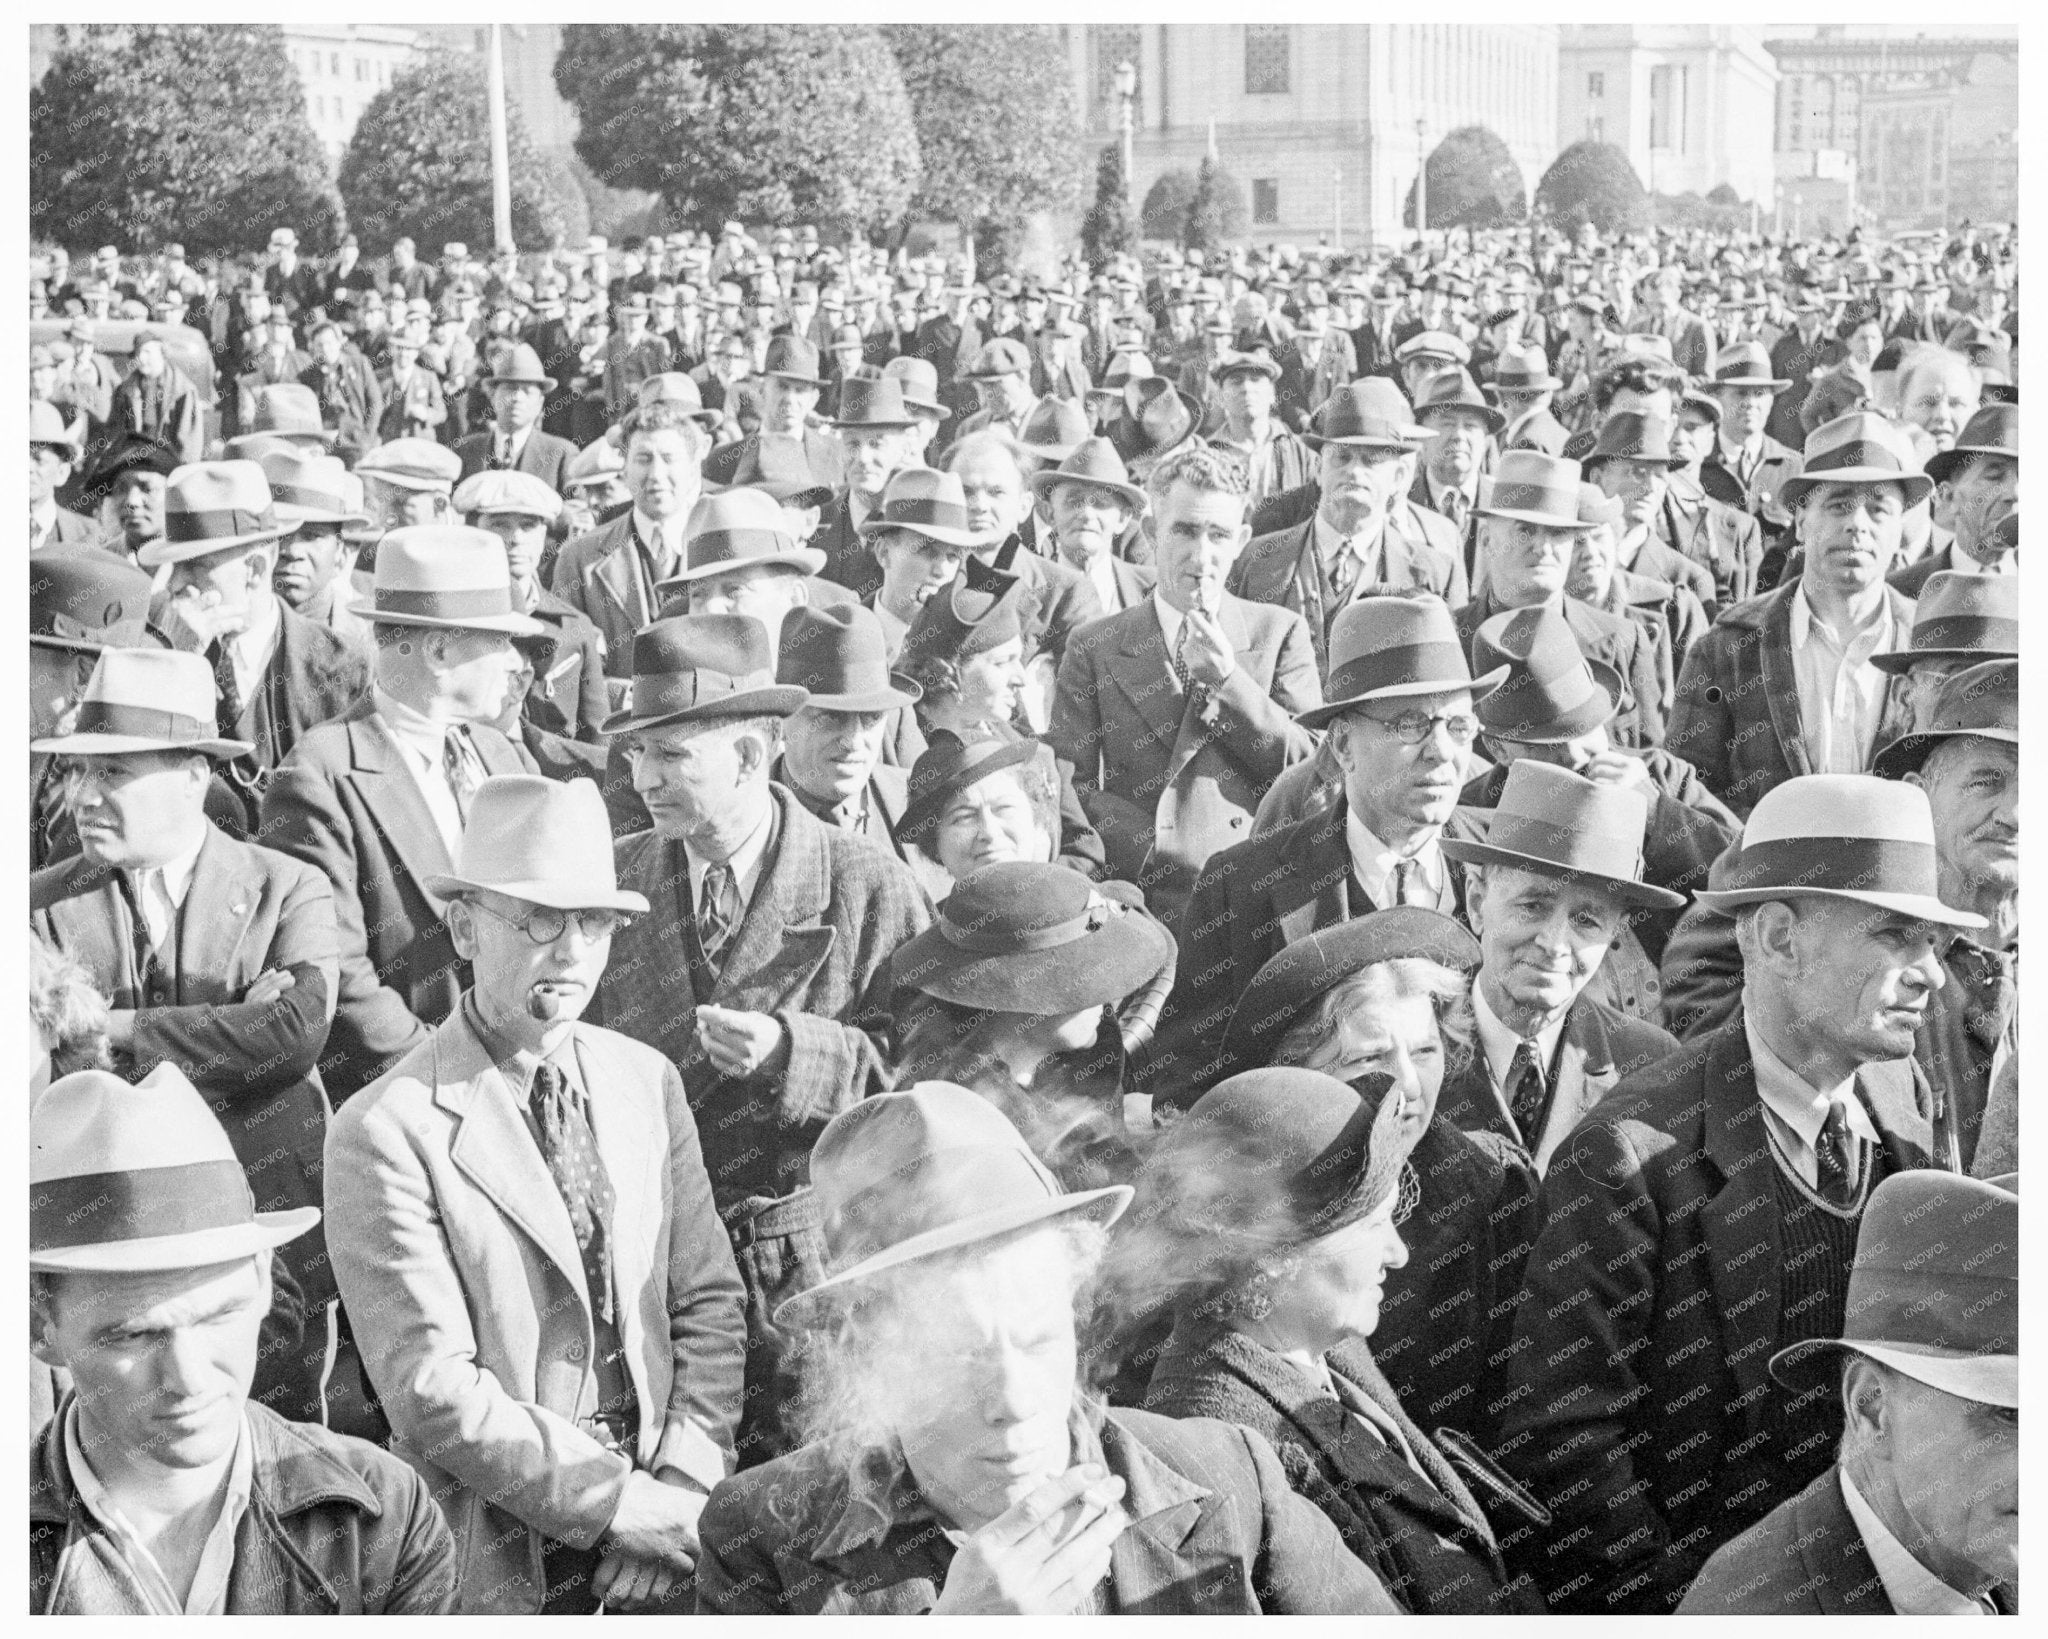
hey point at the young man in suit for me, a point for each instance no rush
(52, 453)
(1747, 465)
(789, 387)
(524, 1232)
(518, 390)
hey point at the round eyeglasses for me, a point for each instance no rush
(544, 924)
(1411, 728)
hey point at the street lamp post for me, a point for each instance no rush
(1127, 96)
(1422, 181)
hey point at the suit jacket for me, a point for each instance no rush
(543, 455)
(848, 562)
(595, 574)
(1738, 720)
(1061, 599)
(1722, 545)
(345, 803)
(68, 528)
(1759, 496)
(568, 696)
(1418, 550)
(1671, 619)
(1311, 369)
(462, 1276)
(1640, 1408)
(247, 910)
(1170, 777)
(350, 401)
(1912, 580)
(813, 950)
(1541, 431)
(821, 449)
(1294, 463)
(888, 794)
(1215, 1529)
(1617, 641)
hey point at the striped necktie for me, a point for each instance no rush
(717, 912)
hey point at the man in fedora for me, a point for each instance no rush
(1978, 484)
(920, 538)
(1094, 509)
(345, 387)
(1461, 427)
(789, 387)
(1317, 362)
(1365, 531)
(377, 799)
(1784, 683)
(215, 955)
(744, 558)
(833, 745)
(1959, 620)
(761, 972)
(518, 389)
(632, 353)
(1663, 314)
(1523, 384)
(1748, 466)
(1919, 1516)
(278, 674)
(409, 482)
(160, 1488)
(1001, 374)
(1398, 733)
(872, 424)
(1273, 457)
(1706, 1217)
(157, 400)
(918, 382)
(1701, 547)
(1669, 617)
(524, 1233)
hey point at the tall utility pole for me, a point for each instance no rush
(1337, 209)
(501, 163)
(1127, 96)
(1422, 181)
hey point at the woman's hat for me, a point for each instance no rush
(1390, 648)
(1628, 435)
(1858, 448)
(1456, 390)
(146, 700)
(978, 610)
(521, 368)
(1961, 617)
(547, 842)
(740, 529)
(949, 765)
(445, 576)
(1095, 463)
(839, 656)
(1934, 1289)
(1983, 701)
(214, 506)
(905, 1176)
(865, 402)
(927, 503)
(283, 409)
(1551, 820)
(309, 489)
(1552, 693)
(1054, 430)
(128, 1179)
(692, 668)
(1534, 488)
(1301, 974)
(1372, 413)
(85, 599)
(1993, 430)
(1843, 836)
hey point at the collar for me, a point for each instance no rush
(1962, 562)
(669, 536)
(1883, 628)
(175, 873)
(746, 860)
(516, 1064)
(1374, 861)
(415, 730)
(1499, 1043)
(515, 442)
(254, 644)
(1913, 1589)
(1361, 544)
(1802, 1108)
(1437, 492)
(43, 514)
(1169, 620)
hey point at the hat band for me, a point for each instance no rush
(1857, 454)
(1568, 847)
(458, 605)
(224, 523)
(1990, 633)
(1391, 668)
(734, 545)
(1944, 1308)
(106, 1208)
(300, 495)
(931, 1191)
(1512, 497)
(659, 693)
(139, 722)
(921, 511)
(1836, 864)
(1016, 941)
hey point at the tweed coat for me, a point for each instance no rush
(1737, 719)
(1614, 640)
(345, 803)
(1429, 1545)
(1638, 1398)
(1215, 1530)
(1170, 778)
(462, 1277)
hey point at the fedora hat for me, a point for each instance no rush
(1552, 692)
(308, 489)
(919, 383)
(928, 503)
(902, 1177)
(521, 368)
(501, 490)
(1531, 487)
(1844, 836)
(284, 409)
(1054, 429)
(1551, 820)
(1934, 1289)
(949, 765)
(865, 402)
(693, 668)
(46, 426)
(1961, 617)
(131, 1179)
(412, 463)
(839, 656)
(85, 600)
(740, 529)
(1456, 390)
(1025, 938)
(673, 387)
(1392, 648)
(145, 699)
(214, 506)
(1746, 364)
(778, 465)
(1372, 413)
(1983, 700)
(547, 842)
(1300, 974)
(793, 359)
(1254, 361)
(1993, 430)
(1857, 448)
(1524, 370)
(1004, 356)
(1155, 418)
(1629, 435)
(445, 576)
(1094, 463)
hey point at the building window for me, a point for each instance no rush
(1667, 107)
(362, 71)
(1596, 85)
(1596, 127)
(334, 64)
(1265, 200)
(1265, 59)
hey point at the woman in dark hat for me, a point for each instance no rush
(1266, 1221)
(1032, 987)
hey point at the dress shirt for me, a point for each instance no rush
(1437, 492)
(250, 649)
(42, 518)
(420, 737)
(1795, 1112)
(519, 1065)
(1498, 1043)
(1373, 862)
(209, 1595)
(1364, 545)
(1961, 563)
(510, 445)
(1102, 576)
(160, 891)
(1841, 695)
(1912, 1588)
(666, 540)
(1630, 547)
(748, 860)
(1742, 459)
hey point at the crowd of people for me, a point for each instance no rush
(749, 924)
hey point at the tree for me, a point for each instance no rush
(760, 122)
(994, 109)
(1593, 182)
(148, 133)
(1474, 182)
(1109, 229)
(419, 163)
(1216, 213)
(1166, 204)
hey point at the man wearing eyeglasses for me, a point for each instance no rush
(540, 1287)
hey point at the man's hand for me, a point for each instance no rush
(1205, 651)
(651, 1544)
(1613, 767)
(742, 1044)
(269, 985)
(1044, 1553)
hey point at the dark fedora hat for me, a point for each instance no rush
(978, 610)
(1373, 413)
(1961, 617)
(1093, 463)
(691, 668)
(1551, 820)
(1629, 435)
(1156, 417)
(1553, 693)
(780, 467)
(85, 599)
(793, 359)
(1301, 974)
(740, 528)
(840, 657)
(864, 402)
(1982, 700)
(1456, 390)
(1054, 429)
(1993, 430)
(1390, 648)
(1025, 938)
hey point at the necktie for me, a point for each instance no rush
(569, 1148)
(459, 763)
(1408, 886)
(1527, 1093)
(228, 708)
(717, 911)
(1454, 509)
(1180, 665)
(1343, 576)
(502, 458)
(1836, 1161)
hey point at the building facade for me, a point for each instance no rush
(343, 66)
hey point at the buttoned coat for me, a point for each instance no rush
(596, 575)
(1738, 718)
(345, 803)
(1614, 640)
(1775, 463)
(1167, 776)
(543, 455)
(462, 1277)
(848, 561)
(1639, 1401)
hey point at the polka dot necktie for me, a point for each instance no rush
(1527, 1093)
(569, 1148)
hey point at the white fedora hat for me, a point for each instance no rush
(446, 575)
(548, 842)
(210, 506)
(131, 1178)
(146, 700)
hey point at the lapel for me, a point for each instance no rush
(626, 1117)
(219, 903)
(614, 572)
(1321, 878)
(1310, 584)
(1781, 685)
(1151, 1559)
(888, 796)
(1832, 1553)
(1196, 730)
(92, 923)
(378, 772)
(780, 943)
(1738, 1225)
(1150, 685)
(1364, 1390)
(1585, 1075)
